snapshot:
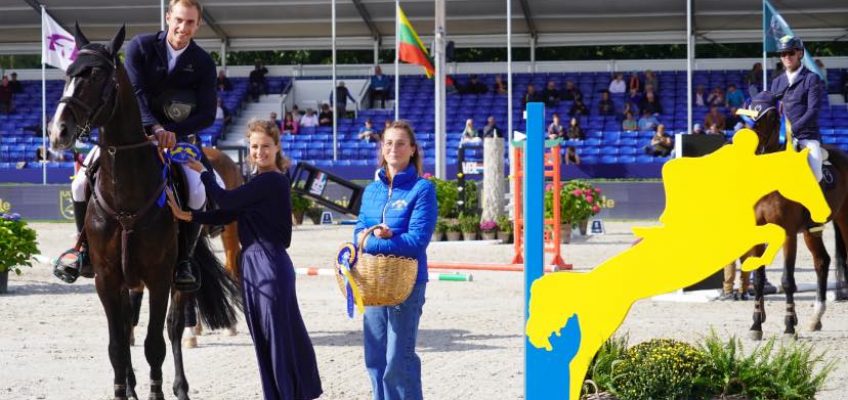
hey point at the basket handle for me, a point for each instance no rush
(365, 235)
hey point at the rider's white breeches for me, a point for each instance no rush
(814, 157)
(196, 190)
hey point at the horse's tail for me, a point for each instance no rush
(219, 296)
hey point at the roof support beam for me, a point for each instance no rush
(528, 18)
(207, 17)
(366, 17)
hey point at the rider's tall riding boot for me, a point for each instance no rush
(70, 271)
(184, 279)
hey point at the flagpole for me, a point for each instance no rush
(333, 91)
(397, 59)
(765, 65)
(43, 103)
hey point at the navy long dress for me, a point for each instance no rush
(263, 209)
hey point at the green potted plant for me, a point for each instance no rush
(299, 206)
(453, 231)
(489, 230)
(441, 228)
(314, 213)
(504, 229)
(469, 224)
(17, 246)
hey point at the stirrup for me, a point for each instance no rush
(67, 266)
(187, 286)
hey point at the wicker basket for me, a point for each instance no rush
(384, 280)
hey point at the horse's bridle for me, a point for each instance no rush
(109, 95)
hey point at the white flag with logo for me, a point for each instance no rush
(58, 46)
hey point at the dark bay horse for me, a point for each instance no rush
(794, 219)
(132, 240)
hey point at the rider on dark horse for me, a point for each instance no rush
(174, 81)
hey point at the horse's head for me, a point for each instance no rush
(90, 94)
(789, 172)
(763, 117)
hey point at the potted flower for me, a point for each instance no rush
(489, 230)
(453, 230)
(469, 225)
(592, 195)
(299, 206)
(504, 228)
(314, 213)
(441, 228)
(17, 246)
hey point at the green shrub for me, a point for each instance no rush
(600, 370)
(504, 224)
(447, 195)
(469, 223)
(658, 369)
(17, 243)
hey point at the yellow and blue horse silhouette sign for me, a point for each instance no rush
(708, 222)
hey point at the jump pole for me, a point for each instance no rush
(433, 276)
(481, 266)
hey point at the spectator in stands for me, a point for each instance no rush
(272, 117)
(819, 64)
(296, 112)
(617, 85)
(555, 129)
(648, 122)
(342, 94)
(6, 96)
(290, 124)
(474, 86)
(714, 130)
(629, 124)
(661, 144)
(715, 117)
(699, 99)
(650, 80)
(257, 84)
(379, 90)
(574, 130)
(628, 108)
(634, 97)
(571, 91)
(571, 157)
(651, 104)
(386, 125)
(470, 134)
(500, 86)
(531, 96)
(310, 120)
(16, 84)
(578, 108)
(551, 95)
(734, 98)
(325, 117)
(367, 133)
(716, 97)
(754, 79)
(635, 83)
(606, 106)
(224, 84)
(698, 130)
(491, 129)
(222, 114)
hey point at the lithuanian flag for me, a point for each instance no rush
(410, 48)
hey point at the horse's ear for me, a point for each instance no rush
(79, 38)
(118, 40)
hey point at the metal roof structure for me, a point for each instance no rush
(306, 24)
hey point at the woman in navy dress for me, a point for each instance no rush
(262, 207)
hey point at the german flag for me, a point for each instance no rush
(410, 48)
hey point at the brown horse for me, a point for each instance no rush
(132, 240)
(794, 218)
(231, 175)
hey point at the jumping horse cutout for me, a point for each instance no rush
(777, 209)
(708, 222)
(132, 240)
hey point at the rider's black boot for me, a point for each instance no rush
(77, 262)
(184, 279)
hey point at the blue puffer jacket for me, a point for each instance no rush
(408, 206)
(801, 102)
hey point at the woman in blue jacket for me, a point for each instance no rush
(404, 205)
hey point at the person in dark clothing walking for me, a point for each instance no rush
(262, 207)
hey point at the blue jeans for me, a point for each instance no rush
(390, 335)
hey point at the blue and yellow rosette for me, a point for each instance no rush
(345, 262)
(185, 152)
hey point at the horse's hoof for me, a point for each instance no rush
(198, 329)
(816, 326)
(156, 396)
(755, 335)
(232, 331)
(790, 336)
(190, 343)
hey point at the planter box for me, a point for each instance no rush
(468, 236)
(489, 235)
(454, 236)
(437, 236)
(4, 281)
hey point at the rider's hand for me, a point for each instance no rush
(196, 165)
(178, 212)
(166, 138)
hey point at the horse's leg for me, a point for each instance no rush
(115, 300)
(231, 249)
(176, 324)
(821, 262)
(154, 344)
(790, 250)
(756, 331)
(136, 297)
(841, 225)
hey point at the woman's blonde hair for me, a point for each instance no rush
(270, 129)
(417, 158)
